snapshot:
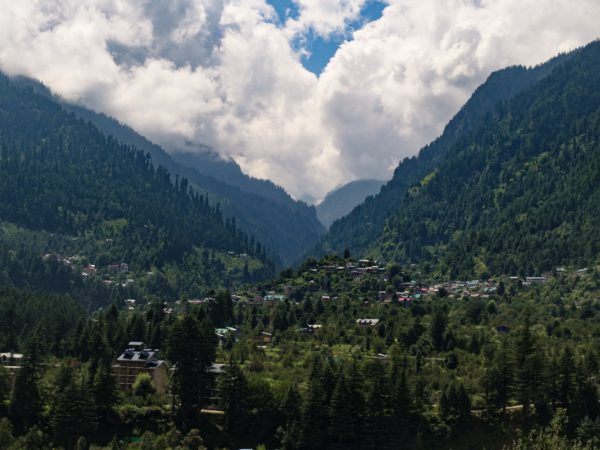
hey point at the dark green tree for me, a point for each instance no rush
(234, 393)
(376, 428)
(526, 368)
(455, 405)
(72, 412)
(191, 348)
(341, 431)
(438, 329)
(291, 411)
(26, 402)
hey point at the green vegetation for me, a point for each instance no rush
(365, 224)
(287, 227)
(457, 365)
(519, 193)
(76, 204)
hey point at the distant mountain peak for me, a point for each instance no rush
(341, 200)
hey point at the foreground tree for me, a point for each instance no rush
(26, 402)
(191, 347)
(233, 388)
(72, 414)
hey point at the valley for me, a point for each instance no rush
(169, 301)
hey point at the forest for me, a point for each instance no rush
(88, 201)
(458, 198)
(519, 194)
(286, 227)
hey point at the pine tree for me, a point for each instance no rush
(376, 409)
(526, 368)
(291, 411)
(234, 393)
(341, 431)
(455, 405)
(313, 423)
(100, 352)
(498, 379)
(438, 329)
(191, 347)
(566, 378)
(104, 393)
(72, 411)
(26, 402)
(402, 409)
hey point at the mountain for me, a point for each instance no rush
(67, 187)
(207, 162)
(365, 223)
(520, 192)
(342, 200)
(287, 227)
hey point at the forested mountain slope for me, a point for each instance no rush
(521, 191)
(365, 223)
(285, 226)
(343, 199)
(62, 176)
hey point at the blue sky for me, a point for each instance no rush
(321, 49)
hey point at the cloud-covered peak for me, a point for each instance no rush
(231, 73)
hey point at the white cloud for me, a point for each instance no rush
(324, 17)
(221, 73)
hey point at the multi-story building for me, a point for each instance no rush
(135, 360)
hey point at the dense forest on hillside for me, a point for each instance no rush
(520, 193)
(61, 175)
(68, 189)
(365, 223)
(286, 227)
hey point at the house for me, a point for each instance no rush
(224, 333)
(217, 369)
(273, 297)
(130, 303)
(367, 322)
(535, 280)
(135, 360)
(90, 269)
(12, 364)
(405, 301)
(11, 359)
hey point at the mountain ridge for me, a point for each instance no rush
(365, 223)
(519, 192)
(66, 186)
(287, 227)
(341, 200)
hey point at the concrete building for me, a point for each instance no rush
(135, 360)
